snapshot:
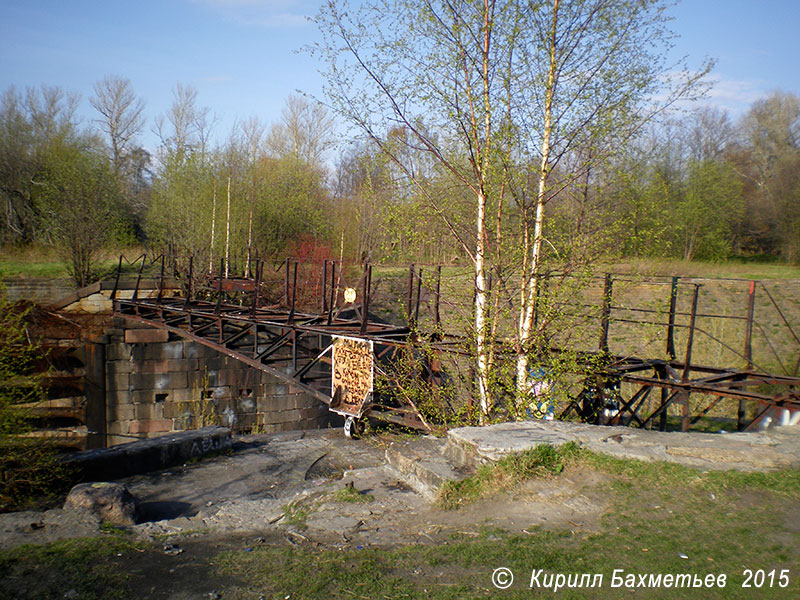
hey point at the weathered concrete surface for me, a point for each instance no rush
(32, 527)
(772, 449)
(149, 455)
(423, 464)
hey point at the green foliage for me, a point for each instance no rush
(290, 201)
(29, 467)
(78, 203)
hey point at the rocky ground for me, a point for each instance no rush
(295, 485)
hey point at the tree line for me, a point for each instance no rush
(696, 186)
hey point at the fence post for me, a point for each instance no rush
(673, 300)
(605, 318)
(685, 422)
(741, 414)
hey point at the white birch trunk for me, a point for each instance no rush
(228, 229)
(213, 228)
(530, 278)
(480, 312)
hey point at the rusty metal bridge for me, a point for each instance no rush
(239, 317)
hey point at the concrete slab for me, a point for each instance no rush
(773, 449)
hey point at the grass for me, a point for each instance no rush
(43, 262)
(548, 461)
(76, 568)
(733, 269)
(352, 495)
(542, 460)
(296, 515)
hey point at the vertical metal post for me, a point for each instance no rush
(189, 287)
(219, 290)
(116, 280)
(673, 300)
(161, 281)
(325, 286)
(688, 360)
(256, 289)
(286, 283)
(294, 294)
(333, 291)
(139, 278)
(436, 317)
(741, 413)
(410, 294)
(419, 289)
(367, 292)
(605, 318)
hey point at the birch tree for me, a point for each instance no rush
(602, 73)
(498, 93)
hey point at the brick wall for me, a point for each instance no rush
(156, 383)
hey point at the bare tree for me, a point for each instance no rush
(305, 131)
(121, 119)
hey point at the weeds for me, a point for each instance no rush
(296, 515)
(352, 495)
(541, 461)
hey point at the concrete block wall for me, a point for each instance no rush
(157, 383)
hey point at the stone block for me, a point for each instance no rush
(161, 351)
(158, 381)
(246, 405)
(118, 351)
(165, 365)
(276, 403)
(119, 366)
(211, 364)
(118, 382)
(232, 376)
(148, 455)
(175, 410)
(119, 427)
(183, 395)
(151, 426)
(120, 412)
(146, 336)
(314, 412)
(149, 412)
(195, 350)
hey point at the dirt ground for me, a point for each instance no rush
(286, 489)
(290, 491)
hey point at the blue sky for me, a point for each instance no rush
(242, 55)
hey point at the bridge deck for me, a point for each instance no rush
(294, 347)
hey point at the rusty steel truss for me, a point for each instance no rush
(294, 347)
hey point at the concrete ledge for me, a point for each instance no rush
(773, 449)
(107, 464)
(421, 463)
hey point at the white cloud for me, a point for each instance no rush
(734, 95)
